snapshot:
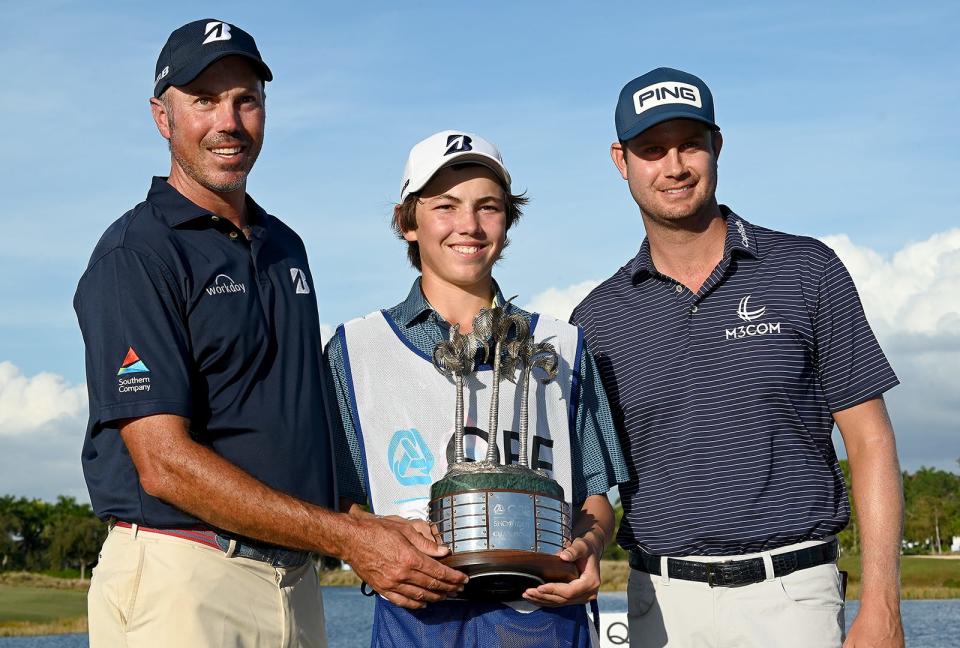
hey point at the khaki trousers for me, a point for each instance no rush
(800, 610)
(150, 590)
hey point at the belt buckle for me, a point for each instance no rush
(711, 574)
(717, 573)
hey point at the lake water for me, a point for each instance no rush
(928, 624)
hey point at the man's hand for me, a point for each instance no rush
(396, 558)
(582, 589)
(875, 628)
(592, 526)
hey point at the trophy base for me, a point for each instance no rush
(502, 575)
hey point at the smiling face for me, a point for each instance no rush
(671, 169)
(461, 227)
(215, 126)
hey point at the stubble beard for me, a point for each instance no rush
(204, 176)
(698, 213)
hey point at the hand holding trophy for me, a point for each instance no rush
(504, 523)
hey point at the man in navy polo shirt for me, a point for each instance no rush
(728, 352)
(207, 446)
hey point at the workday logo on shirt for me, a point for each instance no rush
(410, 459)
(225, 285)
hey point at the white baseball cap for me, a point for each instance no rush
(443, 149)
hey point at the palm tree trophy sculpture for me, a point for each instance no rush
(504, 523)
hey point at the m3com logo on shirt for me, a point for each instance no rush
(745, 313)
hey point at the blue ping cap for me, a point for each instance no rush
(661, 95)
(191, 48)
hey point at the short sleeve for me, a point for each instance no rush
(851, 365)
(137, 342)
(348, 458)
(601, 457)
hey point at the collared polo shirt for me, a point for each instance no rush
(595, 450)
(724, 398)
(181, 314)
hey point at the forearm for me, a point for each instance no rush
(393, 556)
(594, 522)
(877, 498)
(200, 482)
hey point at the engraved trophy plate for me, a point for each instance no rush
(511, 521)
(504, 524)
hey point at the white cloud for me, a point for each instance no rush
(42, 423)
(914, 291)
(326, 332)
(31, 404)
(911, 302)
(560, 302)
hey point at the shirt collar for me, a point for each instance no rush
(416, 307)
(177, 209)
(740, 239)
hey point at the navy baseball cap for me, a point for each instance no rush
(191, 48)
(661, 95)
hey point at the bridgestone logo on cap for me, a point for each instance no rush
(667, 92)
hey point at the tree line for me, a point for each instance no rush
(64, 537)
(61, 538)
(931, 514)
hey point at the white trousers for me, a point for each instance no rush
(800, 610)
(151, 590)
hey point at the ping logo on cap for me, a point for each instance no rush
(458, 144)
(666, 92)
(216, 31)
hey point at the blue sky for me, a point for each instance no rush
(836, 121)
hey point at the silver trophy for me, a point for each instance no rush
(504, 523)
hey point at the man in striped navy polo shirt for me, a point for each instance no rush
(728, 352)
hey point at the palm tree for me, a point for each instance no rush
(455, 357)
(495, 324)
(533, 354)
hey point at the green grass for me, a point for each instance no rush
(920, 577)
(40, 605)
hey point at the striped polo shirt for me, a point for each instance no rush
(723, 399)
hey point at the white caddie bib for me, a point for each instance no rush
(404, 409)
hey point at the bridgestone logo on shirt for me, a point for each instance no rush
(751, 330)
(133, 384)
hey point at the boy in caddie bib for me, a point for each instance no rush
(396, 409)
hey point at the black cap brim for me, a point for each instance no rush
(190, 72)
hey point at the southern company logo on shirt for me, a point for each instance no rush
(132, 364)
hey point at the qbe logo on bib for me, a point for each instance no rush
(410, 459)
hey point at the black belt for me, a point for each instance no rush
(733, 573)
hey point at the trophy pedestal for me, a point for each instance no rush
(503, 575)
(504, 526)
